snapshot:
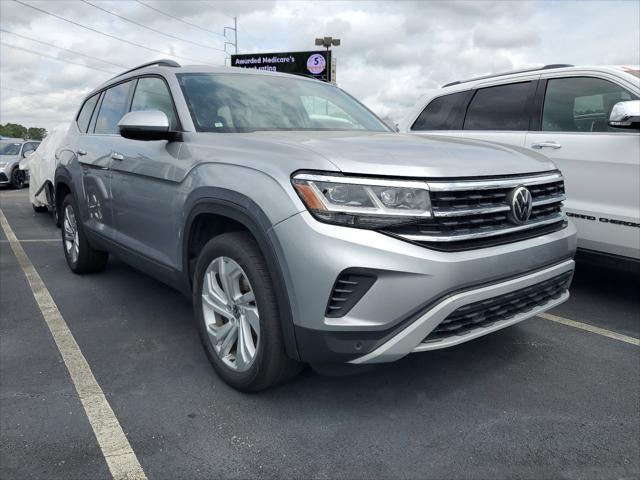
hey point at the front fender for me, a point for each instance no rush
(240, 208)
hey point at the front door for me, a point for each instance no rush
(146, 179)
(601, 164)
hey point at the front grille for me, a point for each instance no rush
(349, 288)
(3, 177)
(485, 313)
(473, 214)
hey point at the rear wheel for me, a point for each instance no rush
(18, 178)
(237, 314)
(39, 208)
(81, 257)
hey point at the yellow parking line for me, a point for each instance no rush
(590, 328)
(120, 457)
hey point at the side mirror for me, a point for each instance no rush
(146, 125)
(625, 114)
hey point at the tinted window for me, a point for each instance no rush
(29, 147)
(85, 113)
(114, 106)
(499, 108)
(442, 113)
(246, 103)
(10, 149)
(152, 94)
(581, 104)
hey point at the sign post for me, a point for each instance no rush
(316, 64)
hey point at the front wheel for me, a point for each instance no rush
(81, 257)
(237, 314)
(18, 178)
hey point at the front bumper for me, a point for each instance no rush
(411, 281)
(414, 338)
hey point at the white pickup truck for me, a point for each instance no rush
(586, 119)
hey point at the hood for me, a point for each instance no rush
(373, 153)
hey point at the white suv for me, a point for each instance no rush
(567, 113)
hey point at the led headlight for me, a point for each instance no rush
(363, 202)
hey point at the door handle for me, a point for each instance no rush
(117, 156)
(81, 153)
(540, 145)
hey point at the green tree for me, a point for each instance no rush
(15, 130)
(36, 133)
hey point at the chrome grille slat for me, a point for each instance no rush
(479, 210)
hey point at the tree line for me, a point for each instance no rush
(15, 130)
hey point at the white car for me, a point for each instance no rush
(41, 165)
(586, 119)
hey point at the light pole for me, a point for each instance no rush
(327, 42)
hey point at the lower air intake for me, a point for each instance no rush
(487, 312)
(349, 288)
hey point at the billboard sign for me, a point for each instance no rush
(316, 64)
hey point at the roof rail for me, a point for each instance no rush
(161, 63)
(546, 67)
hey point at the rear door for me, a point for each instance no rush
(146, 178)
(94, 198)
(601, 164)
(500, 113)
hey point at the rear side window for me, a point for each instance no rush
(85, 113)
(152, 94)
(442, 113)
(581, 104)
(499, 108)
(114, 106)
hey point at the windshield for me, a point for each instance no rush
(10, 149)
(228, 102)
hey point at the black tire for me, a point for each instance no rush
(88, 259)
(51, 199)
(39, 208)
(18, 178)
(271, 365)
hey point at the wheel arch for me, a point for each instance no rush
(235, 212)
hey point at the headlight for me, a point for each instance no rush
(3, 164)
(363, 202)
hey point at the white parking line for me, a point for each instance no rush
(120, 457)
(35, 240)
(590, 328)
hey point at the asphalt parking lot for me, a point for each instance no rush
(537, 400)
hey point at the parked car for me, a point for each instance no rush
(586, 119)
(11, 152)
(304, 244)
(41, 166)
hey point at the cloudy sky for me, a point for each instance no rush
(391, 52)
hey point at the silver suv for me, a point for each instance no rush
(302, 227)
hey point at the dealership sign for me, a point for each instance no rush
(310, 64)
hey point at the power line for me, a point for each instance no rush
(180, 19)
(24, 92)
(201, 45)
(55, 58)
(107, 34)
(60, 48)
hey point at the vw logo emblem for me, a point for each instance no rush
(521, 203)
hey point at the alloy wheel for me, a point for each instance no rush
(70, 232)
(230, 313)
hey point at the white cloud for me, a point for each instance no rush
(391, 52)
